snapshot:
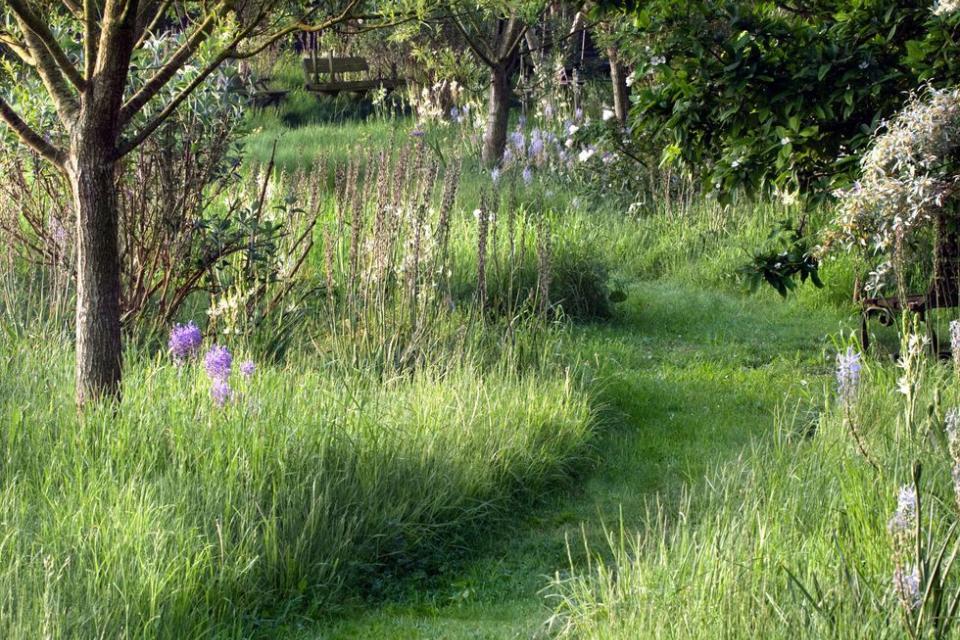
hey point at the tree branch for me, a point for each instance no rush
(17, 47)
(30, 137)
(30, 23)
(478, 48)
(183, 55)
(63, 98)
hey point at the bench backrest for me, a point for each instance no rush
(332, 65)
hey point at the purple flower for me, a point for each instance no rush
(848, 373)
(218, 363)
(455, 114)
(417, 133)
(536, 146)
(221, 392)
(905, 517)
(248, 368)
(495, 176)
(527, 176)
(906, 584)
(522, 121)
(184, 341)
(519, 141)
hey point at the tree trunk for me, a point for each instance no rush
(498, 115)
(621, 92)
(91, 171)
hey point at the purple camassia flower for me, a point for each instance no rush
(248, 368)
(218, 363)
(578, 114)
(848, 373)
(495, 175)
(527, 176)
(536, 145)
(417, 133)
(455, 114)
(519, 141)
(906, 584)
(184, 341)
(507, 156)
(905, 517)
(522, 120)
(221, 392)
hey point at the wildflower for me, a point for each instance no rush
(495, 176)
(417, 133)
(519, 141)
(848, 373)
(184, 341)
(905, 516)
(578, 114)
(455, 114)
(785, 141)
(221, 392)
(906, 584)
(607, 114)
(631, 78)
(248, 368)
(586, 154)
(527, 176)
(218, 363)
(548, 111)
(522, 121)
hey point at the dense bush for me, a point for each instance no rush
(762, 94)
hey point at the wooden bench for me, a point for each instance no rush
(324, 74)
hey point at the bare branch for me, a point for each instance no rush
(17, 47)
(174, 64)
(150, 22)
(478, 47)
(91, 38)
(30, 137)
(31, 24)
(53, 80)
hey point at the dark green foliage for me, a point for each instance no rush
(754, 94)
(780, 265)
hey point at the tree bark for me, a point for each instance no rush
(91, 171)
(621, 92)
(498, 115)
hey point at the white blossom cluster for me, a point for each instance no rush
(906, 176)
(945, 7)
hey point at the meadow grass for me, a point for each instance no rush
(395, 501)
(167, 516)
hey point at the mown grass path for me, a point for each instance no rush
(689, 377)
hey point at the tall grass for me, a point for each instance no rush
(791, 539)
(167, 516)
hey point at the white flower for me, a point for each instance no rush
(631, 79)
(785, 141)
(608, 114)
(586, 154)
